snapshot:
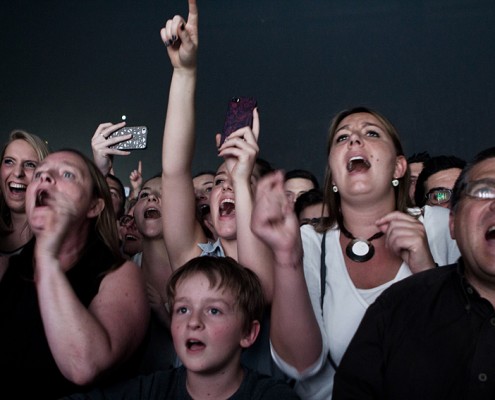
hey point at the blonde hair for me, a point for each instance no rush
(41, 149)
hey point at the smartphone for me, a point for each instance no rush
(138, 140)
(239, 114)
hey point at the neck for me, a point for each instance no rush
(20, 235)
(217, 385)
(361, 221)
(72, 247)
(229, 247)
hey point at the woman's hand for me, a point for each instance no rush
(406, 237)
(101, 145)
(181, 38)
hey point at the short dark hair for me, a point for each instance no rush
(309, 198)
(432, 166)
(463, 179)
(418, 157)
(224, 273)
(303, 174)
(263, 167)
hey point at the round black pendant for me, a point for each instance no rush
(360, 250)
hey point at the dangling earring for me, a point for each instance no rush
(395, 182)
(335, 188)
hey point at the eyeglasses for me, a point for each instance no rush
(484, 189)
(438, 195)
(126, 220)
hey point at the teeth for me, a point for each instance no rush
(13, 185)
(228, 201)
(356, 161)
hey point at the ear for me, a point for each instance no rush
(96, 208)
(400, 167)
(249, 337)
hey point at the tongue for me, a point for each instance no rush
(358, 165)
(196, 346)
(227, 208)
(152, 214)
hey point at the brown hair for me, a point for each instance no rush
(224, 272)
(332, 199)
(104, 225)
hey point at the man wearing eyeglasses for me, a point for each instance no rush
(432, 336)
(436, 180)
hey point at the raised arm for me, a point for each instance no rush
(181, 230)
(240, 151)
(294, 330)
(92, 340)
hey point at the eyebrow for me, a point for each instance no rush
(365, 124)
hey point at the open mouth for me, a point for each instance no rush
(41, 198)
(227, 207)
(358, 164)
(152, 213)
(490, 233)
(193, 344)
(130, 238)
(17, 188)
(204, 210)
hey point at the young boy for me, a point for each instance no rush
(215, 306)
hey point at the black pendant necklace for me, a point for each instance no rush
(359, 250)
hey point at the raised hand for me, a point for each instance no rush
(101, 145)
(181, 38)
(136, 180)
(273, 220)
(241, 149)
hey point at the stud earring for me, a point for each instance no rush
(395, 182)
(335, 188)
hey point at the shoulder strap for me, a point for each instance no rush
(323, 271)
(323, 277)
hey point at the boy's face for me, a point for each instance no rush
(207, 327)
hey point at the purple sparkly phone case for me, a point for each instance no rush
(239, 115)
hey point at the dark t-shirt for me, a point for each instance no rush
(171, 384)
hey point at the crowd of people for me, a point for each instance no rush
(246, 282)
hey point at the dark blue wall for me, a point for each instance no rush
(427, 65)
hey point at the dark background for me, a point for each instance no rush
(429, 66)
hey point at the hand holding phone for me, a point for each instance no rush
(239, 114)
(138, 140)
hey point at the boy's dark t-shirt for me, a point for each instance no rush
(171, 384)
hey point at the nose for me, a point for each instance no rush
(19, 171)
(45, 177)
(195, 321)
(354, 139)
(153, 197)
(226, 185)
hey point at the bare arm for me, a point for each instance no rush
(240, 152)
(181, 229)
(294, 330)
(84, 342)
